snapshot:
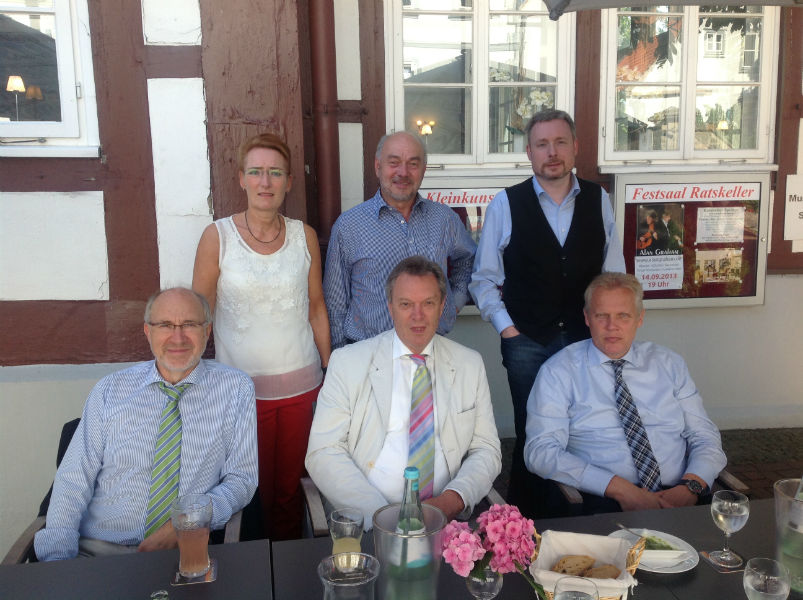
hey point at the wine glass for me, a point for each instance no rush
(575, 588)
(729, 511)
(766, 579)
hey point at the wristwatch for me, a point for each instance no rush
(695, 487)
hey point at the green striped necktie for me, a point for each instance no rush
(166, 460)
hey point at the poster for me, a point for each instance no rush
(694, 237)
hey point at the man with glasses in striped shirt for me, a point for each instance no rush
(161, 429)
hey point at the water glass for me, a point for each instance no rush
(345, 527)
(575, 588)
(729, 511)
(348, 576)
(766, 579)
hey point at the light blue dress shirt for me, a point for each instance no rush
(102, 486)
(489, 267)
(368, 241)
(575, 435)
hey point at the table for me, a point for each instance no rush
(295, 562)
(244, 571)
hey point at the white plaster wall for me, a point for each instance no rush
(351, 167)
(35, 402)
(60, 257)
(175, 22)
(347, 49)
(181, 173)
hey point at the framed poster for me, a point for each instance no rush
(696, 239)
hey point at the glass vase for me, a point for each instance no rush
(485, 586)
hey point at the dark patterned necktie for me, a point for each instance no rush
(646, 465)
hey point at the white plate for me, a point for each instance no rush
(691, 560)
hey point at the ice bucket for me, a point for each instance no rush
(789, 531)
(415, 578)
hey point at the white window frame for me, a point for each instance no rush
(686, 156)
(76, 135)
(480, 158)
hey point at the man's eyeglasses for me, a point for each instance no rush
(274, 173)
(187, 327)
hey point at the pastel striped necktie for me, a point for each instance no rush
(422, 427)
(166, 460)
(646, 464)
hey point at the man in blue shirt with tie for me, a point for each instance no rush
(113, 490)
(621, 420)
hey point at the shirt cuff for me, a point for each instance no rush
(595, 480)
(501, 320)
(53, 543)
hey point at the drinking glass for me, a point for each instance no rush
(345, 527)
(766, 579)
(485, 586)
(729, 511)
(191, 515)
(575, 588)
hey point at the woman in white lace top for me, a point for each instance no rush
(261, 272)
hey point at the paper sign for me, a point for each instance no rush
(720, 224)
(793, 214)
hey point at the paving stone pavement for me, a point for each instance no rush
(759, 457)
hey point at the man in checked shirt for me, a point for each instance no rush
(370, 239)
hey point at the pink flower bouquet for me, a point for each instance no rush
(504, 541)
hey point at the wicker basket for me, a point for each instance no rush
(632, 562)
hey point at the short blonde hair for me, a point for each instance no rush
(615, 281)
(268, 141)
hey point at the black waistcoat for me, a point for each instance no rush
(544, 282)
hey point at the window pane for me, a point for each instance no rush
(450, 108)
(436, 4)
(731, 9)
(437, 48)
(26, 3)
(647, 118)
(523, 48)
(726, 118)
(729, 49)
(510, 109)
(534, 5)
(652, 9)
(649, 49)
(28, 68)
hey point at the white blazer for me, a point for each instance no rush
(351, 422)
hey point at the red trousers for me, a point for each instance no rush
(283, 431)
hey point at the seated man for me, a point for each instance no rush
(110, 495)
(405, 397)
(621, 420)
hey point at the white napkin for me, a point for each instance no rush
(607, 550)
(662, 558)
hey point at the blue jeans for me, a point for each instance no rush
(522, 358)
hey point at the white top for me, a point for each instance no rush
(261, 319)
(387, 474)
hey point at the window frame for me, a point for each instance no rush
(480, 157)
(611, 161)
(76, 135)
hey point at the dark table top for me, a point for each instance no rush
(244, 571)
(295, 562)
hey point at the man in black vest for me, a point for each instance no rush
(543, 240)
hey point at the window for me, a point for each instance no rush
(47, 103)
(472, 72)
(688, 84)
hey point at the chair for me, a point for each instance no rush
(315, 524)
(22, 551)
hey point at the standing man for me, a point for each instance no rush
(670, 235)
(370, 239)
(542, 242)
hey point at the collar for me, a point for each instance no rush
(575, 189)
(195, 376)
(400, 350)
(597, 357)
(378, 203)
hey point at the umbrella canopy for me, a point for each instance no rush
(558, 7)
